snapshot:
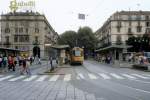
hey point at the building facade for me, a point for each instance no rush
(27, 31)
(118, 28)
(121, 25)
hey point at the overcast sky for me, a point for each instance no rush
(63, 14)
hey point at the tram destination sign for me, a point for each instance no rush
(16, 5)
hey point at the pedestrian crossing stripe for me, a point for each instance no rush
(140, 76)
(17, 78)
(68, 77)
(104, 76)
(80, 76)
(116, 76)
(30, 78)
(54, 78)
(6, 77)
(42, 78)
(129, 76)
(92, 76)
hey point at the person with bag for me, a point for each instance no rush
(11, 63)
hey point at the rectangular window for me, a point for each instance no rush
(27, 30)
(139, 28)
(26, 38)
(7, 30)
(16, 47)
(147, 24)
(77, 53)
(130, 23)
(7, 39)
(36, 30)
(147, 30)
(129, 30)
(146, 17)
(118, 29)
(16, 30)
(23, 38)
(138, 24)
(36, 39)
(119, 23)
(20, 30)
(15, 38)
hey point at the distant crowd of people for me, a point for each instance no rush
(130, 58)
(8, 63)
(140, 59)
(104, 58)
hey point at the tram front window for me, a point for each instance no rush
(77, 53)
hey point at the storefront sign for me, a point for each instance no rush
(14, 5)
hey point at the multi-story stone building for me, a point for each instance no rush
(28, 31)
(120, 26)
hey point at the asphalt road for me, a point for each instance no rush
(91, 81)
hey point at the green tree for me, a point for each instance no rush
(139, 43)
(86, 38)
(68, 38)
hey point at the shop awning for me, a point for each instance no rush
(60, 46)
(114, 47)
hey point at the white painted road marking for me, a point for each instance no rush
(30, 78)
(7, 77)
(42, 78)
(146, 75)
(92, 76)
(140, 76)
(104, 76)
(81, 76)
(54, 78)
(129, 76)
(116, 76)
(17, 78)
(67, 77)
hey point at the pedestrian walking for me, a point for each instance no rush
(28, 66)
(5, 61)
(24, 69)
(15, 61)
(51, 63)
(20, 61)
(11, 63)
(31, 60)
